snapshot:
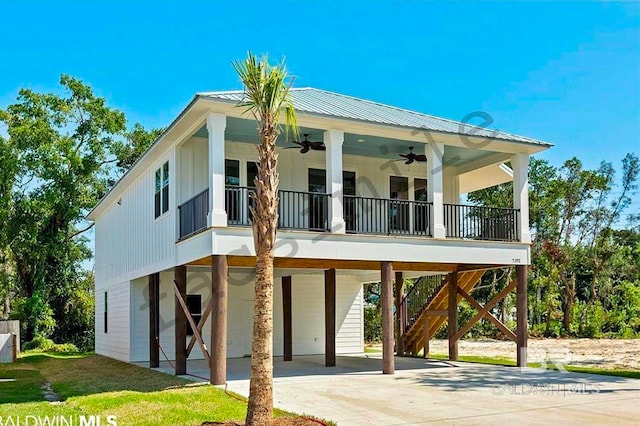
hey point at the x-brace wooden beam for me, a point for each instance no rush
(194, 327)
(510, 334)
(201, 323)
(484, 310)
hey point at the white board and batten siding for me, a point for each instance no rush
(130, 241)
(115, 343)
(307, 314)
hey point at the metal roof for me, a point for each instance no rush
(321, 102)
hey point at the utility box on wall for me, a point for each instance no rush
(8, 348)
(11, 327)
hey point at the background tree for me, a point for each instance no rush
(137, 141)
(56, 164)
(267, 98)
(575, 217)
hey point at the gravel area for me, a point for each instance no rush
(602, 353)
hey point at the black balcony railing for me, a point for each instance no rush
(365, 215)
(303, 210)
(193, 214)
(481, 223)
(362, 215)
(296, 210)
(238, 201)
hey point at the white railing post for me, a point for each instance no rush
(520, 166)
(434, 152)
(216, 124)
(333, 140)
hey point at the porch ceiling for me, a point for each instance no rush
(242, 130)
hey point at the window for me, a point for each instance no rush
(232, 172)
(105, 311)
(194, 304)
(399, 211)
(349, 183)
(420, 210)
(318, 208)
(252, 172)
(420, 189)
(161, 199)
(233, 196)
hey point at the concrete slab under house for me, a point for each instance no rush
(376, 197)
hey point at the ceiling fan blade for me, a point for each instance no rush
(297, 143)
(404, 156)
(421, 157)
(304, 150)
(409, 161)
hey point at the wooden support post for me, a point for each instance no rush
(521, 314)
(330, 317)
(180, 326)
(453, 316)
(427, 336)
(154, 320)
(399, 314)
(286, 314)
(386, 278)
(218, 356)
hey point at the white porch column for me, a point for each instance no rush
(216, 123)
(435, 193)
(520, 166)
(333, 140)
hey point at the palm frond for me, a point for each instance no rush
(266, 93)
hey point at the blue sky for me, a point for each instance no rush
(567, 73)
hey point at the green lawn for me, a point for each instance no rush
(90, 384)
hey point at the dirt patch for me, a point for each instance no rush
(620, 354)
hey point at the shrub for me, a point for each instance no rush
(43, 344)
(64, 347)
(372, 324)
(39, 343)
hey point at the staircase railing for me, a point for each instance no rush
(418, 298)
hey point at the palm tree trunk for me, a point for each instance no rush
(260, 409)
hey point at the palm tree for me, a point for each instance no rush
(267, 97)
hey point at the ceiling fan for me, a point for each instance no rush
(307, 145)
(411, 157)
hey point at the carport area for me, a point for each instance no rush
(355, 392)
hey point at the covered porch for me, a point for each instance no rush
(355, 183)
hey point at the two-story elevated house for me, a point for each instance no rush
(369, 193)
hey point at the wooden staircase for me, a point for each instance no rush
(427, 302)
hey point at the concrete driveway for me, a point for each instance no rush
(429, 391)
